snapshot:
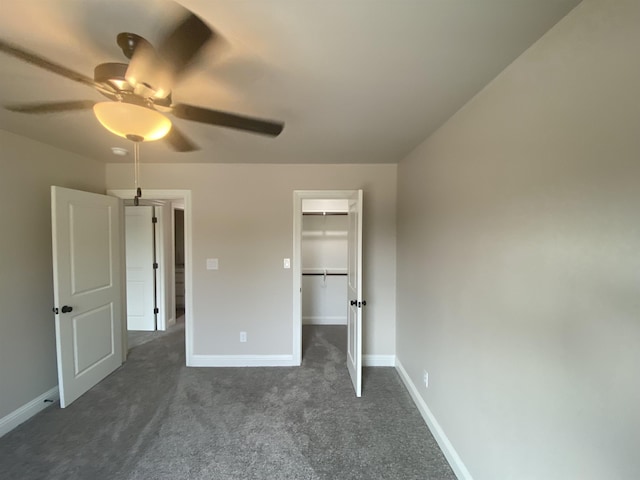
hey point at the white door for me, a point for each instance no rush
(356, 303)
(140, 272)
(87, 289)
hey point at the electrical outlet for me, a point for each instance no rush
(243, 337)
(425, 379)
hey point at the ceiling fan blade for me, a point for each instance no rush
(179, 142)
(152, 72)
(147, 73)
(184, 41)
(45, 64)
(230, 120)
(52, 107)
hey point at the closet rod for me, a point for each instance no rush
(325, 274)
(324, 213)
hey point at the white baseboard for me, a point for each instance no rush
(324, 320)
(241, 361)
(28, 410)
(274, 361)
(379, 360)
(436, 430)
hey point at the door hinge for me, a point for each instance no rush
(156, 310)
(154, 219)
(155, 265)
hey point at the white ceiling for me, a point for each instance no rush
(355, 81)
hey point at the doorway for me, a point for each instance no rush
(177, 199)
(317, 263)
(324, 253)
(178, 244)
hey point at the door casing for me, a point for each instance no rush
(185, 196)
(298, 196)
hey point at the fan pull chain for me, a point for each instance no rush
(136, 172)
(136, 166)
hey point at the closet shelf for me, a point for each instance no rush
(324, 271)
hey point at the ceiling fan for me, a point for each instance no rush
(139, 93)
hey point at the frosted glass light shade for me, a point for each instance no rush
(126, 119)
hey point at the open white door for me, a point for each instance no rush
(140, 272)
(87, 289)
(354, 316)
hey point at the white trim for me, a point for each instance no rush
(175, 205)
(28, 410)
(161, 272)
(436, 430)
(378, 360)
(324, 320)
(123, 284)
(241, 361)
(188, 250)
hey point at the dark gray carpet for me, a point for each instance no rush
(154, 418)
(136, 338)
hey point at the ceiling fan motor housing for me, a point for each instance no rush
(112, 74)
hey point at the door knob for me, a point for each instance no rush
(354, 302)
(67, 309)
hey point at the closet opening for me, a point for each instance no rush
(324, 252)
(327, 278)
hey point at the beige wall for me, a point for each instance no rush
(519, 264)
(27, 330)
(243, 215)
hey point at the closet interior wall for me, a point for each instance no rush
(324, 268)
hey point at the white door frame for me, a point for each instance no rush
(188, 251)
(172, 284)
(161, 272)
(298, 196)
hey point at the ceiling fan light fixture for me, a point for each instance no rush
(127, 119)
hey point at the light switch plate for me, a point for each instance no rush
(286, 263)
(212, 264)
